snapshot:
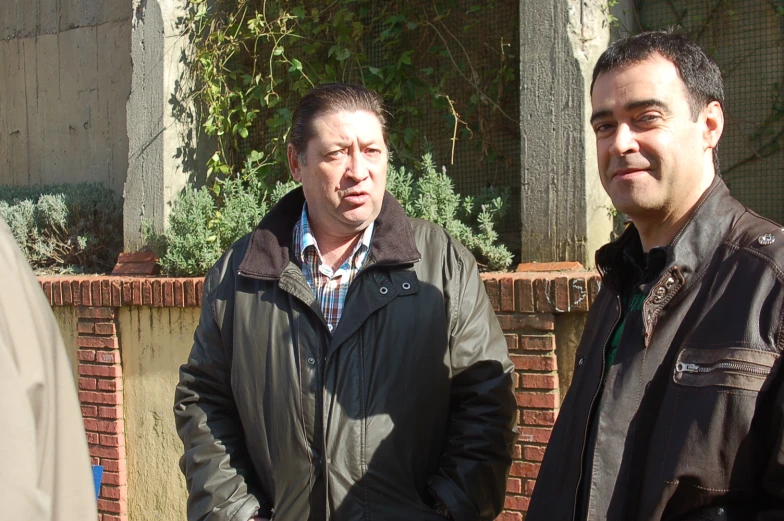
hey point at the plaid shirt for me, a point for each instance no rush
(329, 287)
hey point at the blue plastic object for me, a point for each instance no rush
(97, 477)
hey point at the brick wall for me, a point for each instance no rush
(528, 306)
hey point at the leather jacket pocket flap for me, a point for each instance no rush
(732, 367)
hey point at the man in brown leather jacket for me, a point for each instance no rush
(676, 408)
(347, 364)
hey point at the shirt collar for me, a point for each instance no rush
(304, 239)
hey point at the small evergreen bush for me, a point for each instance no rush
(202, 225)
(65, 228)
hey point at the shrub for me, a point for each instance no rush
(65, 228)
(202, 225)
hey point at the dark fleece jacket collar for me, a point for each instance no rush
(270, 244)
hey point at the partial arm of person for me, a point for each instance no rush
(217, 467)
(773, 479)
(481, 433)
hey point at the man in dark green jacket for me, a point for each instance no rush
(347, 364)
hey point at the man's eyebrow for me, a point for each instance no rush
(633, 105)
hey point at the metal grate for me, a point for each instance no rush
(746, 38)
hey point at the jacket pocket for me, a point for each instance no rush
(729, 367)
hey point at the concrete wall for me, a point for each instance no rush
(65, 77)
(155, 342)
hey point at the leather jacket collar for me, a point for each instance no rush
(691, 248)
(270, 245)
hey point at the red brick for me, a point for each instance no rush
(100, 398)
(116, 291)
(524, 469)
(505, 516)
(95, 461)
(110, 505)
(47, 287)
(92, 437)
(516, 380)
(168, 294)
(136, 286)
(561, 294)
(578, 295)
(84, 291)
(105, 426)
(97, 342)
(105, 328)
(543, 296)
(127, 293)
(594, 285)
(543, 418)
(199, 291)
(189, 288)
(506, 287)
(94, 312)
(115, 453)
(179, 300)
(116, 493)
(107, 371)
(114, 465)
(114, 478)
(514, 486)
(511, 342)
(146, 293)
(106, 293)
(65, 288)
(549, 266)
(109, 440)
(95, 292)
(493, 293)
(539, 381)
(86, 355)
(114, 384)
(517, 452)
(57, 295)
(113, 413)
(525, 296)
(157, 294)
(517, 503)
(88, 384)
(76, 293)
(537, 342)
(516, 321)
(528, 487)
(533, 453)
(537, 400)
(119, 517)
(89, 411)
(87, 328)
(534, 362)
(535, 434)
(108, 357)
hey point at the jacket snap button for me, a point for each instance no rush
(406, 285)
(580, 361)
(311, 360)
(721, 511)
(384, 290)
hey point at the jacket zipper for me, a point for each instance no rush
(743, 367)
(593, 402)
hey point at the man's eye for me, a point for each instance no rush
(336, 153)
(648, 118)
(602, 128)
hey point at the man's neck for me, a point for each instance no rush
(336, 249)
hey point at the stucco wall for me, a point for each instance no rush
(65, 77)
(155, 342)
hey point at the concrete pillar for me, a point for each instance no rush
(566, 214)
(161, 127)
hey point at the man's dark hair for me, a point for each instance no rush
(698, 72)
(330, 98)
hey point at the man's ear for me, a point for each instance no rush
(714, 124)
(294, 164)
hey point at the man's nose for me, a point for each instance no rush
(624, 141)
(357, 167)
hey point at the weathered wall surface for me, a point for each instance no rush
(65, 76)
(564, 209)
(66, 319)
(155, 342)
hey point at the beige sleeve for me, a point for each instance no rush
(45, 469)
